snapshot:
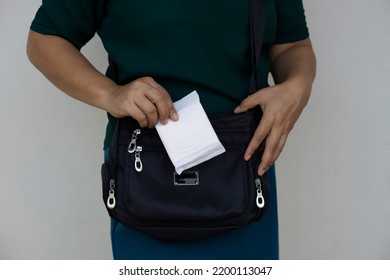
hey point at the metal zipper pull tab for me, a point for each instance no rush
(138, 162)
(111, 201)
(133, 142)
(260, 201)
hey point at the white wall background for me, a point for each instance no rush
(334, 175)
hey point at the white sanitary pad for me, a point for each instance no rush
(191, 140)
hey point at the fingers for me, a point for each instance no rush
(273, 128)
(162, 101)
(140, 116)
(144, 100)
(250, 102)
(148, 109)
(260, 134)
(273, 148)
(263, 128)
(274, 143)
(275, 140)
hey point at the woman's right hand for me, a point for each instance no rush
(144, 100)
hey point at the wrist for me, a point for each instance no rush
(298, 88)
(105, 94)
(299, 83)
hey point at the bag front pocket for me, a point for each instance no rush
(154, 192)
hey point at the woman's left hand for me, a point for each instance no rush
(282, 105)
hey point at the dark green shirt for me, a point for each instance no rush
(198, 45)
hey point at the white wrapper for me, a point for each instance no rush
(191, 140)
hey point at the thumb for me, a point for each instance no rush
(248, 103)
(174, 116)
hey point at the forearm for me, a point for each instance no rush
(68, 69)
(143, 99)
(295, 64)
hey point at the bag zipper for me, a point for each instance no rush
(260, 201)
(133, 143)
(138, 163)
(133, 148)
(111, 201)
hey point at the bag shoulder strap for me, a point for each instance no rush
(257, 26)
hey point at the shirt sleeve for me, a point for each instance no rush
(291, 25)
(74, 20)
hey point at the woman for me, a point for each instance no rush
(159, 52)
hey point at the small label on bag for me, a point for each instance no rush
(186, 178)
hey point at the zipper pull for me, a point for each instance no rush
(133, 142)
(260, 201)
(138, 162)
(111, 201)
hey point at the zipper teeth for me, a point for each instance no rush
(218, 130)
(231, 130)
(146, 149)
(132, 145)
